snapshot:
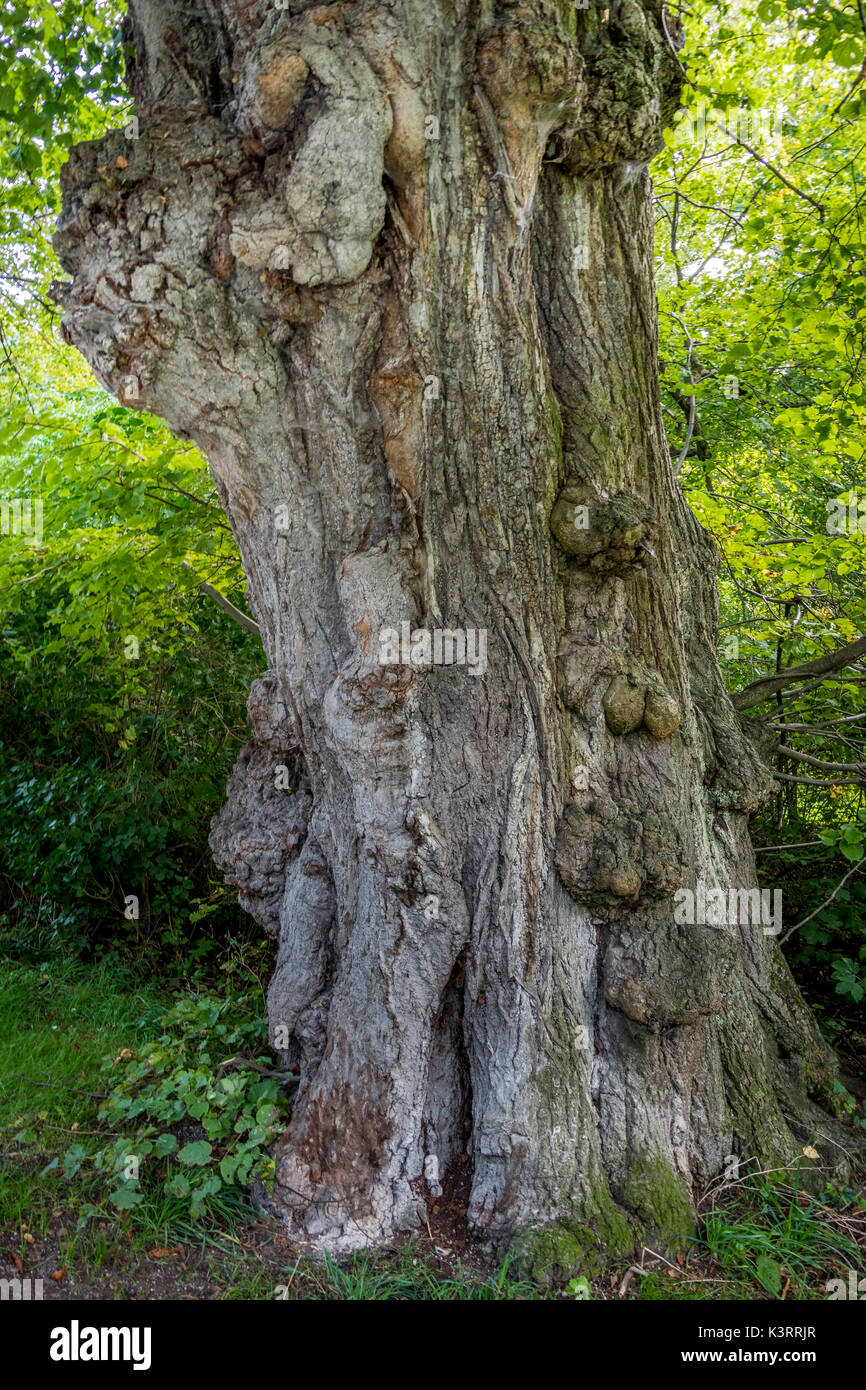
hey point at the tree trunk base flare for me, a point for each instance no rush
(391, 269)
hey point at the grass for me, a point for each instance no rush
(369, 1276)
(760, 1237)
(768, 1232)
(57, 1025)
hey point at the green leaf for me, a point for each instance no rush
(125, 1198)
(228, 1167)
(769, 1274)
(197, 1153)
(72, 1159)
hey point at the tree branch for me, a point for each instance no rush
(766, 687)
(226, 605)
(819, 781)
(800, 844)
(821, 762)
(822, 727)
(824, 904)
(819, 208)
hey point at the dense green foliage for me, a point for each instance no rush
(178, 1078)
(122, 688)
(761, 241)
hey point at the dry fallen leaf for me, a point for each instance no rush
(161, 1252)
(60, 1274)
(17, 1261)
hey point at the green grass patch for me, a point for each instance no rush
(764, 1233)
(58, 1023)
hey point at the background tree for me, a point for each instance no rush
(121, 702)
(759, 238)
(391, 269)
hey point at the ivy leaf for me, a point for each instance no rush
(72, 1160)
(847, 980)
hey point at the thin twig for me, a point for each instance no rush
(826, 901)
(801, 844)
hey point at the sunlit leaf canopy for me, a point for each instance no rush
(760, 242)
(61, 80)
(130, 521)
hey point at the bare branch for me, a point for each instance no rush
(819, 781)
(822, 727)
(226, 605)
(820, 762)
(801, 844)
(766, 687)
(825, 903)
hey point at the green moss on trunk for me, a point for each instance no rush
(561, 1250)
(654, 1193)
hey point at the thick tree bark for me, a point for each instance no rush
(389, 264)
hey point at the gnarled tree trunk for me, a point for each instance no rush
(389, 264)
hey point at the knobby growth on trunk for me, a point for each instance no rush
(389, 263)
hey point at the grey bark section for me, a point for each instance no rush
(412, 350)
(263, 826)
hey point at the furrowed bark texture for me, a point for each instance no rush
(389, 265)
